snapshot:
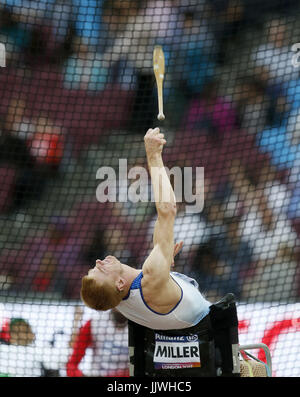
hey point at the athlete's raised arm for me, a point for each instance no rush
(157, 265)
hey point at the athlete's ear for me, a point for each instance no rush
(120, 284)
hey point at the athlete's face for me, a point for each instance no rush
(108, 269)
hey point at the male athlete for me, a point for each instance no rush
(152, 296)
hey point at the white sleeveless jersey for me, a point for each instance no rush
(191, 308)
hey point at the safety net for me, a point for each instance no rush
(77, 95)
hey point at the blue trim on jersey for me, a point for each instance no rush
(134, 285)
(153, 311)
(137, 281)
(137, 284)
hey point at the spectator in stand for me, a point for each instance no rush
(261, 223)
(34, 145)
(276, 191)
(282, 143)
(293, 210)
(52, 34)
(96, 248)
(275, 279)
(192, 63)
(109, 239)
(61, 15)
(47, 146)
(14, 36)
(276, 55)
(28, 10)
(235, 252)
(106, 333)
(17, 340)
(47, 262)
(114, 19)
(276, 95)
(252, 235)
(83, 69)
(265, 230)
(273, 62)
(15, 127)
(194, 49)
(210, 112)
(17, 121)
(14, 151)
(7, 278)
(88, 23)
(283, 146)
(86, 15)
(251, 104)
(48, 278)
(292, 91)
(78, 315)
(16, 331)
(21, 354)
(230, 16)
(146, 24)
(230, 254)
(213, 275)
(115, 240)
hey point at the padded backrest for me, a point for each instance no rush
(224, 322)
(207, 349)
(188, 352)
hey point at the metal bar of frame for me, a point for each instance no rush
(259, 346)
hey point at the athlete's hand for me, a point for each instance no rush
(154, 141)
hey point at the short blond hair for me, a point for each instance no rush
(98, 296)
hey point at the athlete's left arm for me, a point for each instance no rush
(156, 235)
(157, 265)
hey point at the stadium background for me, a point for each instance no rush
(78, 93)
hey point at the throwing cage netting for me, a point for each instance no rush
(77, 96)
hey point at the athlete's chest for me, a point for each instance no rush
(161, 299)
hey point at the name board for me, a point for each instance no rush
(176, 352)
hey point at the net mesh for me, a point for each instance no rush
(77, 94)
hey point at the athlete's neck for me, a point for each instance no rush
(129, 274)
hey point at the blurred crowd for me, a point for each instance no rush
(77, 70)
(96, 346)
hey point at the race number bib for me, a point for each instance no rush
(176, 352)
